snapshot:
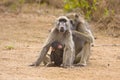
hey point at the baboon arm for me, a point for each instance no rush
(44, 50)
(82, 36)
(42, 55)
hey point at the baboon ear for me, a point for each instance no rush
(71, 22)
(76, 16)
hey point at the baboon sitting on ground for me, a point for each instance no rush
(63, 34)
(80, 25)
(82, 37)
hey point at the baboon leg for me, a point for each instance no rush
(67, 59)
(88, 51)
(42, 56)
(78, 57)
(69, 54)
(84, 55)
(44, 49)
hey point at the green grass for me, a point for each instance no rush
(9, 47)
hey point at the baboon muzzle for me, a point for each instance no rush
(61, 29)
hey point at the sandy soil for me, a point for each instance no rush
(21, 39)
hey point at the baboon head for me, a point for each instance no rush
(57, 45)
(63, 24)
(75, 20)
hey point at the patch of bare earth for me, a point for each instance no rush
(21, 39)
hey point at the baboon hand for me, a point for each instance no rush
(34, 64)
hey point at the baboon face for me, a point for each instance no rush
(63, 24)
(74, 20)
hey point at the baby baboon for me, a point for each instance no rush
(56, 55)
(63, 34)
(79, 25)
(55, 58)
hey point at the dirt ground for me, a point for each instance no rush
(22, 37)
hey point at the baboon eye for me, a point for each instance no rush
(62, 20)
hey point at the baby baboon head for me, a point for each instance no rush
(63, 24)
(57, 45)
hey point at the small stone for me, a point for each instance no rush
(108, 64)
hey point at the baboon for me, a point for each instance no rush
(79, 25)
(56, 55)
(55, 58)
(63, 34)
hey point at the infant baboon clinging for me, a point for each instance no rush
(61, 33)
(55, 58)
(56, 55)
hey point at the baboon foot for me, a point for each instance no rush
(80, 64)
(34, 64)
(51, 65)
(67, 66)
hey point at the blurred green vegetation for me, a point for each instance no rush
(9, 47)
(87, 6)
(104, 12)
(92, 9)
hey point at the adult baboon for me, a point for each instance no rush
(79, 25)
(61, 33)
